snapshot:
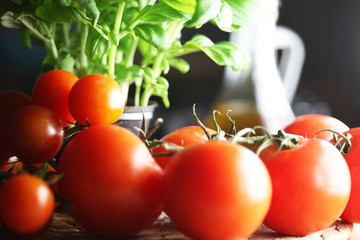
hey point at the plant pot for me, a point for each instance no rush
(133, 117)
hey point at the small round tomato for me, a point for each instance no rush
(216, 190)
(352, 157)
(36, 134)
(10, 102)
(184, 136)
(310, 124)
(311, 186)
(26, 204)
(52, 90)
(111, 180)
(97, 99)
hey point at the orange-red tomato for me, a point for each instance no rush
(311, 186)
(26, 204)
(96, 98)
(310, 124)
(184, 136)
(52, 91)
(352, 210)
(216, 190)
(112, 181)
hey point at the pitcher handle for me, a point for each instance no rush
(292, 58)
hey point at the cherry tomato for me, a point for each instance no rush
(112, 181)
(10, 102)
(352, 210)
(309, 125)
(36, 134)
(52, 90)
(311, 186)
(184, 136)
(96, 98)
(216, 190)
(26, 204)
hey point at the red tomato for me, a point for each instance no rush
(52, 91)
(184, 136)
(10, 102)
(26, 204)
(216, 190)
(96, 98)
(37, 134)
(352, 210)
(311, 186)
(112, 181)
(311, 124)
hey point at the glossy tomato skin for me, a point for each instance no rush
(112, 181)
(52, 90)
(36, 134)
(216, 190)
(309, 125)
(352, 210)
(184, 136)
(311, 186)
(10, 102)
(96, 98)
(26, 204)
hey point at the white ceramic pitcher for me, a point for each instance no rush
(269, 84)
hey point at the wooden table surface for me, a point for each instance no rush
(65, 227)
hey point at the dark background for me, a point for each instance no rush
(329, 29)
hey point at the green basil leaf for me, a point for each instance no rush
(187, 6)
(51, 12)
(7, 20)
(161, 12)
(89, 6)
(205, 11)
(179, 64)
(222, 53)
(246, 12)
(153, 33)
(96, 46)
(63, 2)
(67, 63)
(25, 38)
(224, 18)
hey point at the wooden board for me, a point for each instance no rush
(65, 227)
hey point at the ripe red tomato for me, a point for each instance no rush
(52, 91)
(96, 98)
(36, 135)
(352, 210)
(26, 204)
(311, 186)
(184, 136)
(311, 124)
(216, 190)
(10, 102)
(112, 181)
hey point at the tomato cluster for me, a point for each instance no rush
(209, 183)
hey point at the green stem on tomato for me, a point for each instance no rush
(83, 59)
(112, 53)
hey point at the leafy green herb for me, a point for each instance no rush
(104, 36)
